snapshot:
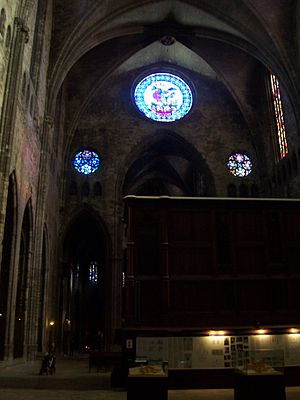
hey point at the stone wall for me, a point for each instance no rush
(23, 143)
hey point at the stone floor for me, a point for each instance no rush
(74, 381)
(36, 394)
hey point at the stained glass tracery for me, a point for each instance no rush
(86, 162)
(281, 131)
(93, 273)
(163, 97)
(239, 164)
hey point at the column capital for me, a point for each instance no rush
(19, 22)
(49, 120)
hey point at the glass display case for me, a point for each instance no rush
(260, 375)
(148, 381)
(146, 367)
(260, 362)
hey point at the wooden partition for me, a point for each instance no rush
(207, 262)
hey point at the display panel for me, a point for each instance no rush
(221, 351)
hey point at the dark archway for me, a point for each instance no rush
(7, 246)
(168, 165)
(83, 289)
(21, 302)
(43, 266)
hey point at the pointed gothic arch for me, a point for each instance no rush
(167, 164)
(84, 290)
(8, 252)
(22, 283)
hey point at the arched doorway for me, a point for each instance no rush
(83, 288)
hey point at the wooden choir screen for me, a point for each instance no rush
(202, 262)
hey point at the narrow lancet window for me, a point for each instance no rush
(280, 125)
(93, 273)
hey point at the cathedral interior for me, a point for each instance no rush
(78, 135)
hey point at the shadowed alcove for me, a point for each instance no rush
(83, 290)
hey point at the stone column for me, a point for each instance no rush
(34, 278)
(7, 139)
(9, 110)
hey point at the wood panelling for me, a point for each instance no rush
(149, 295)
(191, 295)
(184, 225)
(250, 259)
(254, 295)
(248, 225)
(226, 296)
(195, 259)
(201, 262)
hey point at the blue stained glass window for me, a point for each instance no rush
(239, 164)
(163, 97)
(93, 273)
(86, 162)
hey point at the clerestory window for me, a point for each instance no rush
(279, 119)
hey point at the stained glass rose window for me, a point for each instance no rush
(163, 97)
(86, 162)
(239, 164)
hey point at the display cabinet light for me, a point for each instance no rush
(261, 331)
(217, 333)
(294, 330)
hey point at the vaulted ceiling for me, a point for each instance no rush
(101, 46)
(95, 39)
